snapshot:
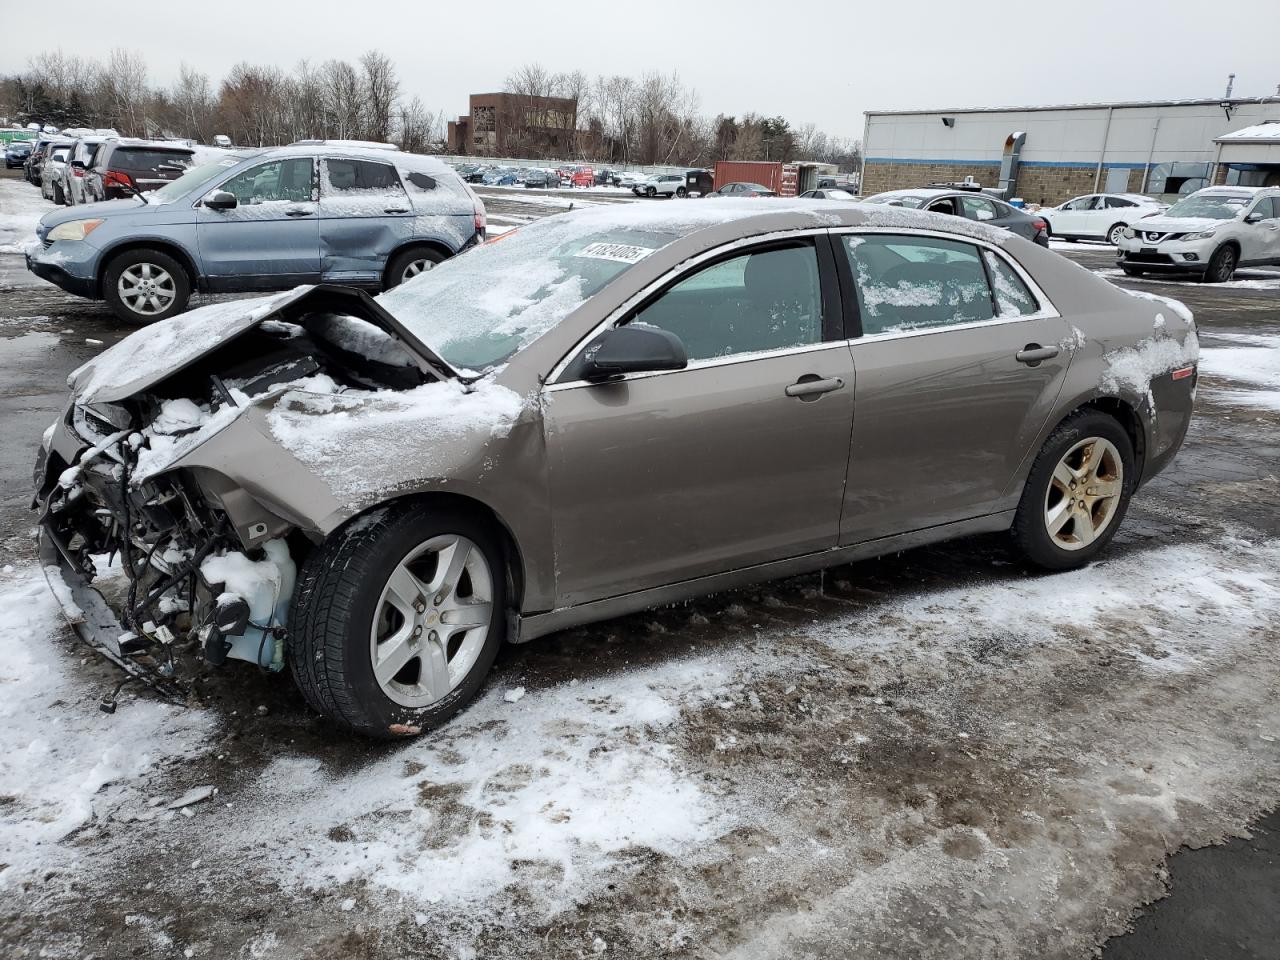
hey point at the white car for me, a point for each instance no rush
(1099, 216)
(52, 170)
(1210, 233)
(73, 177)
(661, 185)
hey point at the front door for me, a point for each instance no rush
(737, 460)
(365, 213)
(271, 238)
(955, 381)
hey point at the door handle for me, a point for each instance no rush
(811, 387)
(395, 209)
(297, 212)
(1033, 353)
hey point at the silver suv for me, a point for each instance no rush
(1210, 234)
(267, 220)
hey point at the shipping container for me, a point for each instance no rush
(763, 172)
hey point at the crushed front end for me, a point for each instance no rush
(171, 525)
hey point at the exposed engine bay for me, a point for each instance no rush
(208, 569)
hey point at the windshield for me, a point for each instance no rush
(478, 309)
(1221, 206)
(898, 200)
(191, 180)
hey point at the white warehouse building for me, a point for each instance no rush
(1050, 154)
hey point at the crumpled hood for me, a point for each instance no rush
(1178, 224)
(151, 354)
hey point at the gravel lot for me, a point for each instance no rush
(934, 754)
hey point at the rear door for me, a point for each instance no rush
(271, 238)
(365, 213)
(1260, 242)
(959, 362)
(737, 460)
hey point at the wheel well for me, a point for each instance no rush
(435, 245)
(1128, 418)
(512, 558)
(164, 247)
(1230, 243)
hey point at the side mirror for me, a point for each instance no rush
(1253, 218)
(635, 348)
(221, 200)
(77, 164)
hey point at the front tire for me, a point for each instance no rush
(1115, 234)
(1133, 272)
(145, 285)
(1222, 265)
(1077, 492)
(650, 192)
(398, 618)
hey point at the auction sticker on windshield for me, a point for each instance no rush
(620, 252)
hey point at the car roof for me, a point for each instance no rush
(1236, 191)
(410, 161)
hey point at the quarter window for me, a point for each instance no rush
(279, 180)
(345, 176)
(916, 283)
(759, 301)
(1012, 296)
(1114, 203)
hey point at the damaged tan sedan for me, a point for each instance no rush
(605, 411)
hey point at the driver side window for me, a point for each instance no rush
(279, 180)
(759, 301)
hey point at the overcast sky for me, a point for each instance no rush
(768, 57)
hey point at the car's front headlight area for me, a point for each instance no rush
(73, 230)
(1202, 235)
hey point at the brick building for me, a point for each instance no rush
(1050, 154)
(511, 124)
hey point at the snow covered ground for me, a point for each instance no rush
(21, 208)
(1248, 278)
(1253, 362)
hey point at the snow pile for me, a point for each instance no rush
(1135, 367)
(156, 351)
(364, 441)
(1255, 362)
(21, 208)
(62, 761)
(545, 790)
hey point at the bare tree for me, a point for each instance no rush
(343, 99)
(122, 88)
(381, 89)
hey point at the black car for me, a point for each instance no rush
(608, 178)
(15, 155)
(124, 168)
(541, 178)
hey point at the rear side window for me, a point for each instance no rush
(909, 283)
(1012, 296)
(1114, 203)
(126, 158)
(345, 176)
(760, 301)
(978, 208)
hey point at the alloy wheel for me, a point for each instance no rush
(146, 289)
(415, 267)
(1084, 493)
(1116, 234)
(431, 620)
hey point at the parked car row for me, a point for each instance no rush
(260, 220)
(571, 175)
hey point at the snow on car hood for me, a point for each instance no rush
(147, 356)
(1178, 224)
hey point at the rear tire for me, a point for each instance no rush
(1088, 455)
(169, 293)
(681, 192)
(1222, 265)
(1115, 234)
(345, 591)
(409, 263)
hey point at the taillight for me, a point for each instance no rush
(117, 178)
(1039, 224)
(77, 172)
(480, 221)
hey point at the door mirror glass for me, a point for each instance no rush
(221, 200)
(635, 348)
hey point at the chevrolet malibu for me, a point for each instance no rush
(605, 411)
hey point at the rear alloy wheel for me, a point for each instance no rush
(1115, 234)
(409, 264)
(143, 286)
(681, 192)
(1222, 265)
(398, 618)
(1077, 492)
